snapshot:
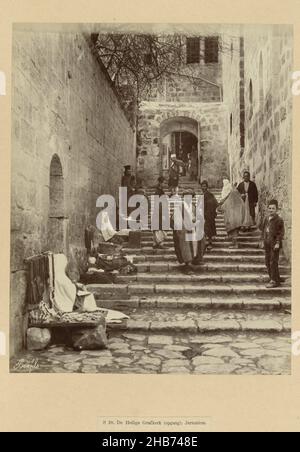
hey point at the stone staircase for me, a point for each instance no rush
(230, 279)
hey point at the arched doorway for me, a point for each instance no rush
(180, 136)
(57, 222)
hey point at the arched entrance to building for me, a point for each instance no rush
(180, 135)
(57, 222)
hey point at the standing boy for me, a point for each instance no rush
(272, 236)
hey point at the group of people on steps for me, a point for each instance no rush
(238, 205)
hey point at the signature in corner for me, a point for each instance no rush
(28, 366)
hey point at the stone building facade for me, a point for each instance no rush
(70, 140)
(190, 102)
(257, 81)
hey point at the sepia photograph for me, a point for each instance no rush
(151, 198)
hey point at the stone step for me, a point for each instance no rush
(211, 303)
(221, 231)
(204, 278)
(166, 267)
(104, 291)
(146, 233)
(208, 258)
(168, 244)
(218, 249)
(187, 185)
(198, 191)
(221, 235)
(196, 326)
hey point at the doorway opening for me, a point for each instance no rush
(180, 136)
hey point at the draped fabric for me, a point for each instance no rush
(227, 188)
(248, 220)
(65, 289)
(234, 211)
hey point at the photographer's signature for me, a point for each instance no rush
(25, 365)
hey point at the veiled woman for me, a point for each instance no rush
(234, 211)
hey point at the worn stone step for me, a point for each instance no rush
(185, 303)
(218, 249)
(169, 245)
(208, 258)
(197, 190)
(170, 250)
(194, 326)
(221, 236)
(166, 267)
(205, 278)
(104, 291)
(146, 234)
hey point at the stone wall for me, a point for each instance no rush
(204, 87)
(212, 123)
(267, 153)
(195, 94)
(63, 105)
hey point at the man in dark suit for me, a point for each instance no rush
(272, 236)
(248, 189)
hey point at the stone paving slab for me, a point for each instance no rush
(194, 301)
(204, 321)
(209, 354)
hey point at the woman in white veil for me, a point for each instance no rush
(234, 211)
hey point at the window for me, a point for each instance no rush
(212, 50)
(192, 50)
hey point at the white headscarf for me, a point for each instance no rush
(227, 188)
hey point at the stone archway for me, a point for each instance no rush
(57, 221)
(171, 126)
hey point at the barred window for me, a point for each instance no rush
(192, 50)
(211, 49)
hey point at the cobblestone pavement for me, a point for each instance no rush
(127, 353)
